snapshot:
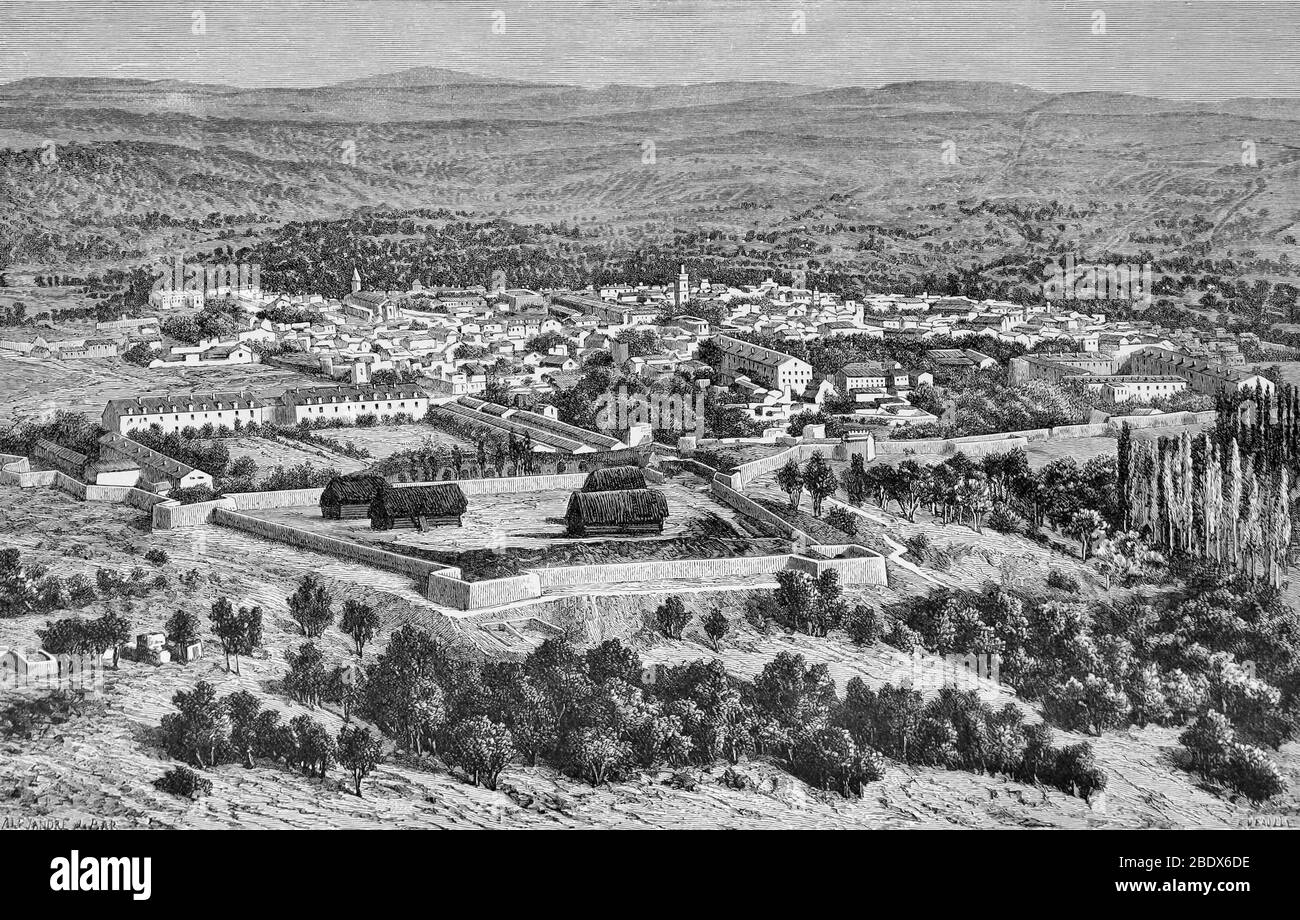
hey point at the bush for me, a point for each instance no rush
(1004, 520)
(864, 625)
(917, 546)
(193, 495)
(184, 782)
(845, 522)
(156, 557)
(1252, 773)
(1062, 581)
(1211, 749)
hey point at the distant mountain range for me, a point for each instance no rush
(947, 173)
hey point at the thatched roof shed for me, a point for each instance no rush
(614, 479)
(350, 496)
(417, 506)
(628, 511)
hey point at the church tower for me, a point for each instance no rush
(682, 293)
(356, 281)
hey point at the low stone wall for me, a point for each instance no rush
(747, 506)
(1082, 431)
(506, 485)
(1032, 434)
(17, 471)
(172, 515)
(1163, 420)
(450, 591)
(418, 569)
(288, 498)
(972, 446)
(853, 570)
(746, 473)
(666, 570)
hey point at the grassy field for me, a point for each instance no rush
(268, 454)
(1040, 453)
(528, 520)
(34, 387)
(385, 440)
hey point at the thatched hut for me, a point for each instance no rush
(631, 511)
(614, 479)
(349, 497)
(422, 506)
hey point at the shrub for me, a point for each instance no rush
(1062, 581)
(917, 546)
(672, 617)
(156, 557)
(80, 590)
(184, 782)
(1004, 520)
(865, 625)
(1076, 771)
(845, 522)
(1252, 773)
(193, 495)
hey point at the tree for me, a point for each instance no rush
(909, 485)
(311, 606)
(482, 748)
(182, 627)
(716, 626)
(672, 617)
(307, 677)
(239, 633)
(315, 748)
(1086, 526)
(790, 480)
(244, 710)
(110, 631)
(401, 692)
(359, 753)
(600, 754)
(69, 636)
(820, 481)
(200, 729)
(360, 621)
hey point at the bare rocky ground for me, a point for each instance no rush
(100, 765)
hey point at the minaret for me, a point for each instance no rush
(683, 292)
(356, 281)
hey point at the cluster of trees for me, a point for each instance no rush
(956, 730)
(191, 446)
(985, 402)
(75, 636)
(581, 404)
(595, 716)
(1005, 492)
(1217, 646)
(816, 477)
(1209, 500)
(67, 429)
(30, 588)
(208, 323)
(208, 730)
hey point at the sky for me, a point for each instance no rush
(1173, 48)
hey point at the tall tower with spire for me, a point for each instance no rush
(682, 293)
(356, 280)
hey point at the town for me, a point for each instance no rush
(579, 419)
